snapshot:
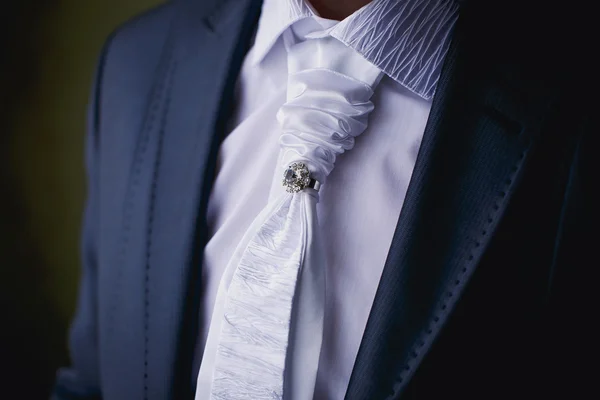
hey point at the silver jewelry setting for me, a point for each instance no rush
(296, 177)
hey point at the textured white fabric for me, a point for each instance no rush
(407, 39)
(328, 103)
(359, 205)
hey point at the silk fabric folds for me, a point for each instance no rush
(266, 329)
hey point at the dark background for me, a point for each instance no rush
(48, 53)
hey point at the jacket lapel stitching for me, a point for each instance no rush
(139, 160)
(435, 324)
(158, 157)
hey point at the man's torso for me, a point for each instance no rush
(155, 162)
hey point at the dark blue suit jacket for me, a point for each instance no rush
(487, 290)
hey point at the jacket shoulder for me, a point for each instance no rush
(133, 51)
(126, 74)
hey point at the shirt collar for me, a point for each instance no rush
(406, 39)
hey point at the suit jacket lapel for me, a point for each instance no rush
(210, 40)
(484, 121)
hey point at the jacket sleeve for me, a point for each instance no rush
(81, 380)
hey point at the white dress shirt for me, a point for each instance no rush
(360, 204)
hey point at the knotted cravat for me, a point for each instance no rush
(267, 324)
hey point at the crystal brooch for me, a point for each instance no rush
(297, 177)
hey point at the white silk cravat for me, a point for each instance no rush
(265, 336)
